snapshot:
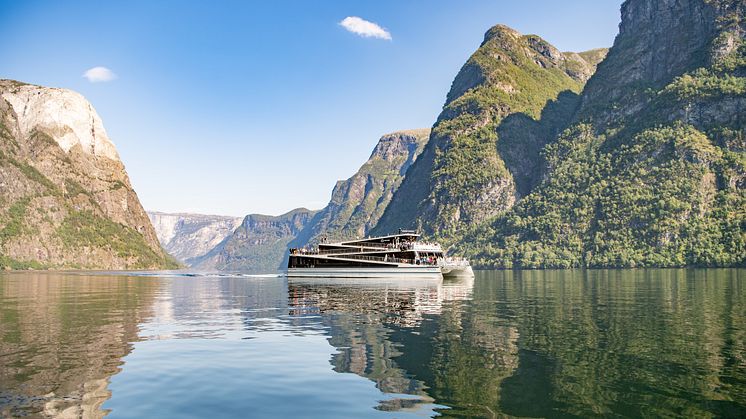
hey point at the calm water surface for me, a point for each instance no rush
(539, 344)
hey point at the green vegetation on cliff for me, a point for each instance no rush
(86, 229)
(13, 220)
(651, 170)
(655, 202)
(466, 174)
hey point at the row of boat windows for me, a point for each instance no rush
(302, 262)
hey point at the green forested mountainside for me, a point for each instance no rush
(65, 197)
(483, 153)
(357, 203)
(651, 169)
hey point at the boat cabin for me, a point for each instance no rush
(402, 249)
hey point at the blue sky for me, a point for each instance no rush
(259, 107)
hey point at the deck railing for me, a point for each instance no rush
(350, 250)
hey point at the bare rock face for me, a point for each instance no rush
(659, 40)
(582, 65)
(62, 114)
(188, 237)
(65, 198)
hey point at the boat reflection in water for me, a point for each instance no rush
(363, 314)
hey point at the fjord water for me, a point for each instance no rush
(523, 343)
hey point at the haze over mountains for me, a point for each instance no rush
(189, 237)
(628, 157)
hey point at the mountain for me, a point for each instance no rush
(358, 202)
(509, 99)
(189, 237)
(65, 198)
(650, 170)
(258, 245)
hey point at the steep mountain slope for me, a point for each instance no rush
(358, 202)
(65, 198)
(477, 161)
(190, 236)
(652, 170)
(258, 245)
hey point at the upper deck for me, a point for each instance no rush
(384, 241)
(402, 249)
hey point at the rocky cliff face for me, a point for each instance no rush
(651, 170)
(478, 161)
(258, 245)
(657, 41)
(358, 202)
(189, 237)
(65, 198)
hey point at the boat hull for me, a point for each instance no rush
(418, 272)
(457, 271)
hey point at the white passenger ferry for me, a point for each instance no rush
(396, 255)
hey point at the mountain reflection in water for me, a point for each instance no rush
(62, 337)
(536, 343)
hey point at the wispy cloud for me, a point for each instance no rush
(99, 74)
(364, 28)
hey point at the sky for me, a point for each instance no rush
(233, 108)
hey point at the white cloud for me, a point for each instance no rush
(364, 28)
(99, 74)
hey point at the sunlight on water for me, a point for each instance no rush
(588, 343)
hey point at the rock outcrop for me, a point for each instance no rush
(189, 237)
(65, 197)
(478, 161)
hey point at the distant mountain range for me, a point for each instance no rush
(626, 157)
(189, 237)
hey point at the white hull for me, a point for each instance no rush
(419, 272)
